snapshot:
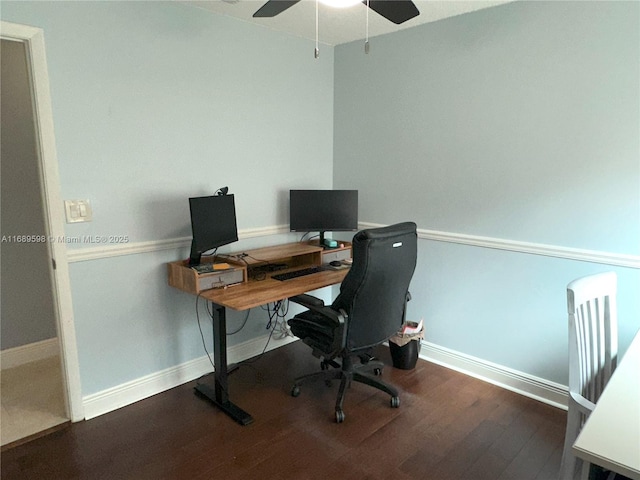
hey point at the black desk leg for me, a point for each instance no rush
(218, 394)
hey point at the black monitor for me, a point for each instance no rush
(323, 211)
(213, 224)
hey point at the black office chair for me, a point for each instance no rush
(368, 311)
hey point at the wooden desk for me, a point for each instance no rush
(249, 294)
(610, 437)
(260, 292)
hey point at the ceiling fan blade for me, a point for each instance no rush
(397, 11)
(274, 7)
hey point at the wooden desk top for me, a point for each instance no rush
(611, 435)
(254, 293)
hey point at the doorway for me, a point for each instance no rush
(40, 374)
(32, 392)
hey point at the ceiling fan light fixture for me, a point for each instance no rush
(340, 3)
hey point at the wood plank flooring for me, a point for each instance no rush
(448, 426)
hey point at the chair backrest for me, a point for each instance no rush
(374, 292)
(593, 333)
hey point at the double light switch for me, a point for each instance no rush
(77, 211)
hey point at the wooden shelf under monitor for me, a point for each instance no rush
(293, 254)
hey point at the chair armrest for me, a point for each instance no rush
(340, 337)
(323, 314)
(308, 301)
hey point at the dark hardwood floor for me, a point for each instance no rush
(448, 426)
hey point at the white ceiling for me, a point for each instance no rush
(338, 26)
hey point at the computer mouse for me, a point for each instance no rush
(335, 263)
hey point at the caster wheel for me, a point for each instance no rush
(395, 402)
(324, 366)
(339, 416)
(377, 372)
(295, 391)
(365, 358)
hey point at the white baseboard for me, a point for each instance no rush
(122, 395)
(130, 392)
(528, 385)
(14, 357)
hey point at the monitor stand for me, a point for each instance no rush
(321, 241)
(194, 257)
(326, 243)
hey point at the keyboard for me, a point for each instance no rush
(296, 273)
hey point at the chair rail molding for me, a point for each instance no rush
(96, 253)
(567, 253)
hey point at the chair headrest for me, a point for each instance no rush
(404, 228)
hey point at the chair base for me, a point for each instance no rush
(347, 373)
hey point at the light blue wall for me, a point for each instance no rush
(519, 122)
(154, 102)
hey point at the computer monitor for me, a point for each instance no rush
(213, 224)
(323, 211)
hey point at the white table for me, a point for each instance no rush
(610, 437)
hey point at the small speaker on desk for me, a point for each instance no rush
(330, 243)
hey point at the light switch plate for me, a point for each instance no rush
(78, 211)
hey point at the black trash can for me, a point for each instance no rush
(405, 356)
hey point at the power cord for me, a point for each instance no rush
(210, 312)
(244, 322)
(255, 274)
(204, 344)
(278, 311)
(213, 254)
(313, 236)
(276, 314)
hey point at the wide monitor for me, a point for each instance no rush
(323, 211)
(213, 224)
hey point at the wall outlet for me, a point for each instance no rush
(78, 211)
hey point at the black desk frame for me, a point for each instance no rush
(219, 393)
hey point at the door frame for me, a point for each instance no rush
(33, 39)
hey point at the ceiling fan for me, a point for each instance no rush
(396, 11)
